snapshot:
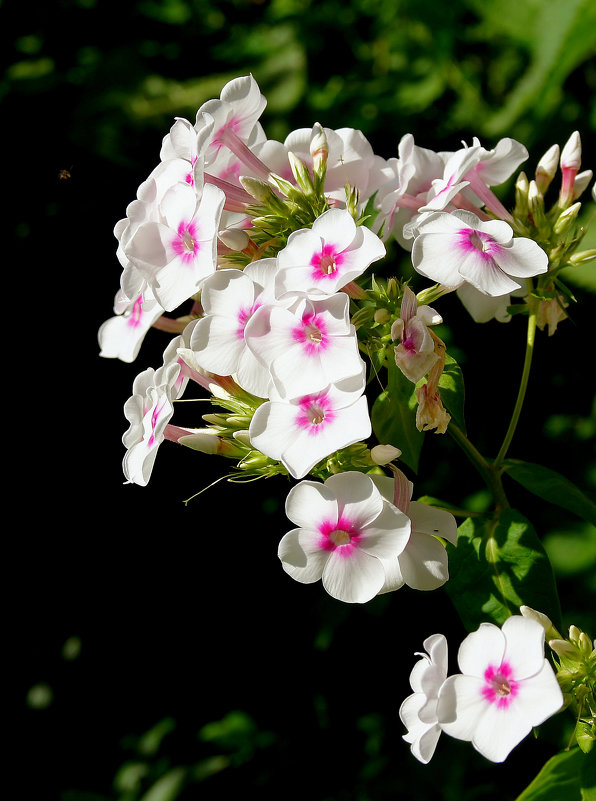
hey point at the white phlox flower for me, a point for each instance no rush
(418, 712)
(415, 353)
(319, 261)
(506, 687)
(299, 432)
(229, 298)
(423, 564)
(307, 346)
(177, 253)
(121, 336)
(345, 528)
(148, 411)
(350, 160)
(451, 248)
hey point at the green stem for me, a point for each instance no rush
(530, 338)
(486, 469)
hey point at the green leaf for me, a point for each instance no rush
(553, 487)
(561, 779)
(497, 567)
(393, 417)
(451, 390)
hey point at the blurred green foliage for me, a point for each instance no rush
(92, 86)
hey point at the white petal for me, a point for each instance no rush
(309, 503)
(354, 579)
(423, 563)
(481, 648)
(524, 651)
(303, 565)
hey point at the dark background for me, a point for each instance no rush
(158, 648)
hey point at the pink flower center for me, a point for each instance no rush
(500, 687)
(483, 245)
(312, 334)
(244, 316)
(326, 262)
(340, 535)
(314, 413)
(186, 244)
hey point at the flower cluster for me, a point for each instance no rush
(264, 261)
(505, 688)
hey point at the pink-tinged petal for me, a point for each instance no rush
(310, 502)
(355, 577)
(429, 520)
(217, 345)
(524, 259)
(336, 227)
(487, 276)
(299, 249)
(483, 647)
(437, 257)
(524, 651)
(303, 563)
(226, 292)
(357, 497)
(388, 535)
(424, 563)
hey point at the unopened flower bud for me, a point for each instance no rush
(319, 149)
(300, 173)
(536, 205)
(564, 648)
(571, 155)
(261, 192)
(234, 238)
(571, 158)
(583, 256)
(543, 619)
(566, 219)
(522, 186)
(383, 454)
(547, 168)
(382, 316)
(582, 179)
(585, 645)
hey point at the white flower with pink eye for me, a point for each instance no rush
(423, 564)
(455, 247)
(120, 337)
(505, 689)
(319, 261)
(345, 528)
(307, 346)
(178, 252)
(415, 353)
(230, 297)
(418, 711)
(299, 432)
(148, 411)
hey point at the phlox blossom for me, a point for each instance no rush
(318, 261)
(121, 336)
(423, 564)
(415, 353)
(506, 687)
(177, 252)
(345, 528)
(148, 411)
(300, 432)
(306, 346)
(451, 248)
(230, 297)
(418, 711)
